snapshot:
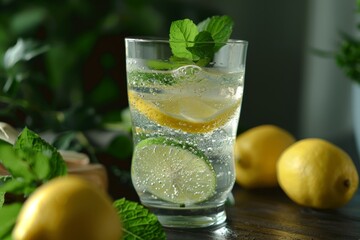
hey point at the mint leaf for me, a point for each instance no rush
(173, 63)
(191, 44)
(14, 164)
(199, 43)
(31, 162)
(220, 28)
(138, 222)
(24, 179)
(203, 47)
(139, 77)
(18, 186)
(8, 216)
(30, 140)
(182, 36)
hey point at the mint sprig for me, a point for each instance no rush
(199, 43)
(47, 166)
(138, 222)
(31, 162)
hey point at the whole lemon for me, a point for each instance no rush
(68, 208)
(256, 153)
(316, 173)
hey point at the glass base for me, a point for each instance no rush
(190, 218)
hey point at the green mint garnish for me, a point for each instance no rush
(139, 77)
(138, 222)
(30, 140)
(199, 43)
(31, 162)
(203, 47)
(182, 36)
(220, 28)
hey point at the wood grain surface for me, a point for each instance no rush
(270, 214)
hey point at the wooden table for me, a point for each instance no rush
(270, 214)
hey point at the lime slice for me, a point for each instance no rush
(172, 171)
(189, 114)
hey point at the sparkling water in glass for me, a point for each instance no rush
(185, 118)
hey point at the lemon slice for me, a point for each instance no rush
(172, 171)
(189, 114)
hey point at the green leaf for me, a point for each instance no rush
(18, 186)
(173, 63)
(203, 47)
(8, 216)
(141, 77)
(30, 140)
(27, 167)
(182, 36)
(165, 65)
(14, 164)
(199, 42)
(220, 28)
(41, 165)
(138, 222)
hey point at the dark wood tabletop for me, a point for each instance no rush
(270, 214)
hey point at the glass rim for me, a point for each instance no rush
(149, 39)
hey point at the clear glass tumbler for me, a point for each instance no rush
(185, 116)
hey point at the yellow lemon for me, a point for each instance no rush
(256, 153)
(190, 114)
(316, 173)
(68, 208)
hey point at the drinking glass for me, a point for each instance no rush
(184, 116)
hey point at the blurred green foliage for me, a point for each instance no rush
(348, 56)
(63, 67)
(82, 71)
